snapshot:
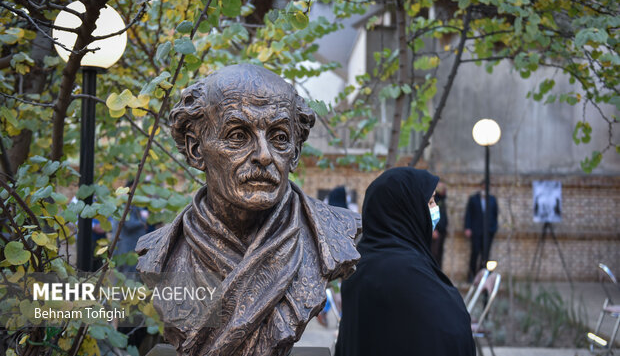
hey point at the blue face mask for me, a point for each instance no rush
(434, 216)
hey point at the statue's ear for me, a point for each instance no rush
(295, 160)
(306, 118)
(194, 153)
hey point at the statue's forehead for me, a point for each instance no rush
(250, 84)
(249, 102)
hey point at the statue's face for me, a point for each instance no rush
(248, 151)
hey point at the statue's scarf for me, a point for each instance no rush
(266, 300)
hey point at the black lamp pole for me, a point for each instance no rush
(87, 167)
(485, 219)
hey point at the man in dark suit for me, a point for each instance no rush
(474, 226)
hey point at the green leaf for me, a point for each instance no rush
(118, 102)
(42, 193)
(231, 8)
(153, 84)
(89, 211)
(185, 27)
(98, 332)
(39, 238)
(299, 20)
(204, 27)
(162, 51)
(117, 339)
(588, 164)
(50, 168)
(133, 351)
(9, 115)
(38, 159)
(192, 62)
(463, 4)
(15, 253)
(590, 34)
(76, 207)
(184, 45)
(85, 191)
(107, 208)
(58, 266)
(319, 107)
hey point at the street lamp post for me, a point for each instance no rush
(486, 132)
(109, 51)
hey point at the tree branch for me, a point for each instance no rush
(33, 23)
(68, 77)
(131, 23)
(29, 102)
(489, 34)
(21, 203)
(492, 58)
(446, 91)
(403, 73)
(19, 233)
(168, 153)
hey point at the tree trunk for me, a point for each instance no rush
(84, 38)
(446, 91)
(403, 77)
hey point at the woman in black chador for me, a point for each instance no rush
(398, 302)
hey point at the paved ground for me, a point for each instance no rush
(586, 298)
(534, 351)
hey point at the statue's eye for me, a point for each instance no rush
(281, 137)
(237, 135)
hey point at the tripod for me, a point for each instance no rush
(537, 259)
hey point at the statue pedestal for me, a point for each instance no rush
(310, 351)
(162, 350)
(168, 350)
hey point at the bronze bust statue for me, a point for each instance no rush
(271, 248)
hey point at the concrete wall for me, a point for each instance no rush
(536, 138)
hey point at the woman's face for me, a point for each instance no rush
(431, 203)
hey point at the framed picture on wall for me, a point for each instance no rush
(547, 197)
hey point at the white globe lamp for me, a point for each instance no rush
(109, 49)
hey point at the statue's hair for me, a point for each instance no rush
(199, 104)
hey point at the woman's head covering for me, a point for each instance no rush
(395, 211)
(338, 197)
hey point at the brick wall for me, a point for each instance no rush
(588, 234)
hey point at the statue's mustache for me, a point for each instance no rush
(258, 174)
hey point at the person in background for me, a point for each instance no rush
(338, 197)
(398, 302)
(474, 229)
(441, 231)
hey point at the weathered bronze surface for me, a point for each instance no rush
(272, 248)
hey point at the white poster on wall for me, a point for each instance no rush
(547, 196)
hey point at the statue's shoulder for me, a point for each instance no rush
(153, 248)
(335, 219)
(336, 231)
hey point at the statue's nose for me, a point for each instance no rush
(262, 155)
